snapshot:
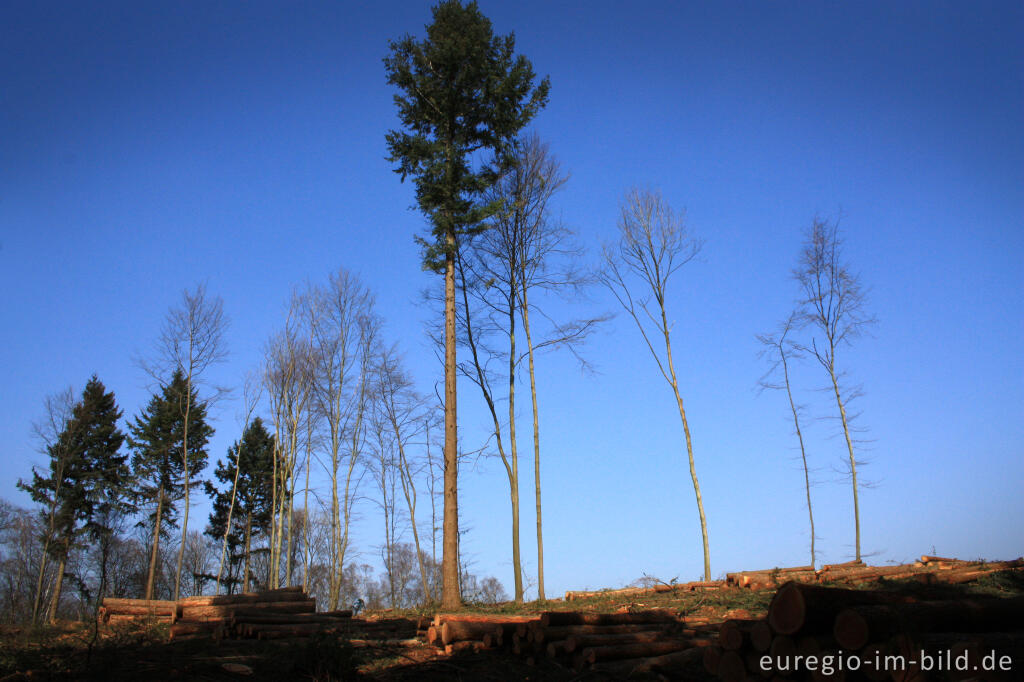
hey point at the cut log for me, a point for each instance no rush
(542, 634)
(182, 629)
(731, 667)
(734, 634)
(675, 662)
(463, 646)
(597, 654)
(798, 608)
(579, 642)
(246, 598)
(926, 559)
(139, 606)
(761, 635)
(858, 625)
(576, 618)
(845, 564)
(195, 612)
(463, 630)
(965, 576)
(711, 656)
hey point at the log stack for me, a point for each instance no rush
(929, 570)
(820, 633)
(697, 586)
(613, 643)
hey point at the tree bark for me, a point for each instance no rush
(536, 444)
(689, 442)
(849, 447)
(150, 579)
(451, 597)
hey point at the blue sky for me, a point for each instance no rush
(148, 147)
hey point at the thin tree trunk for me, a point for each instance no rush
(248, 550)
(150, 579)
(536, 445)
(409, 490)
(451, 597)
(513, 481)
(803, 452)
(512, 475)
(849, 447)
(231, 511)
(39, 581)
(305, 507)
(689, 442)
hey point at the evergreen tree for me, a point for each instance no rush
(253, 483)
(156, 442)
(464, 97)
(88, 479)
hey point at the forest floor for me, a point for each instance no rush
(68, 651)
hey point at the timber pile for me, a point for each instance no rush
(286, 612)
(860, 631)
(613, 643)
(700, 585)
(929, 570)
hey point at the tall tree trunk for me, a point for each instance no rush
(188, 486)
(525, 310)
(231, 511)
(451, 597)
(513, 481)
(305, 507)
(36, 602)
(248, 551)
(849, 447)
(151, 577)
(58, 587)
(803, 452)
(689, 442)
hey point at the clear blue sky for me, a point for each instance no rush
(146, 147)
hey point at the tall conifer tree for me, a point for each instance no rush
(156, 443)
(464, 97)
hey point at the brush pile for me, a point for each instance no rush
(826, 633)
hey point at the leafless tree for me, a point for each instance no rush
(57, 412)
(250, 399)
(289, 380)
(780, 350)
(192, 341)
(654, 244)
(833, 307)
(405, 415)
(527, 252)
(344, 330)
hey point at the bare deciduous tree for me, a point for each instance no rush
(250, 398)
(344, 329)
(833, 306)
(527, 252)
(405, 415)
(780, 350)
(653, 244)
(191, 341)
(58, 409)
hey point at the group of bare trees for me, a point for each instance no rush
(830, 313)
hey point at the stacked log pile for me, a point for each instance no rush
(613, 643)
(700, 585)
(820, 633)
(929, 570)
